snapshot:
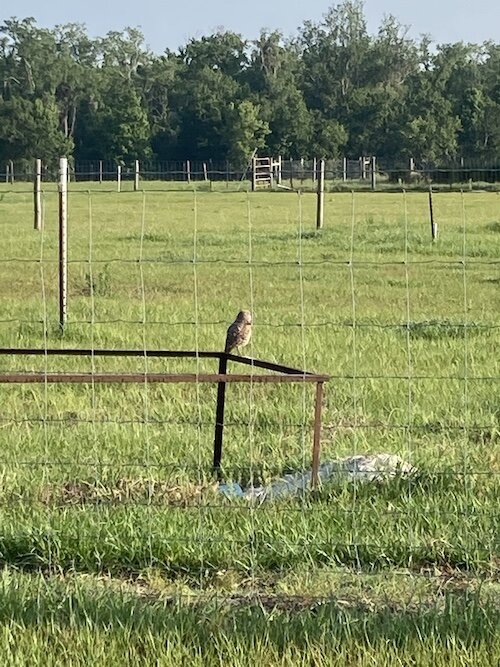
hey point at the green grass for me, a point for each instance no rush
(116, 482)
(78, 620)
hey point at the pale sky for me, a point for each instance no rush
(170, 23)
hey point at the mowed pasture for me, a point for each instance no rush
(110, 488)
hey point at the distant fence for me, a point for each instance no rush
(366, 172)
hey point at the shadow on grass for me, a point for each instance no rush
(458, 616)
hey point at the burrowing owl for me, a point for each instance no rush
(240, 331)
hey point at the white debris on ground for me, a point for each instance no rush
(373, 468)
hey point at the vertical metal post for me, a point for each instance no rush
(431, 215)
(373, 172)
(219, 417)
(344, 169)
(254, 174)
(188, 171)
(100, 171)
(316, 451)
(37, 195)
(11, 163)
(136, 176)
(118, 178)
(63, 240)
(205, 172)
(291, 173)
(320, 208)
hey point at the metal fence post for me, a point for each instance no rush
(219, 417)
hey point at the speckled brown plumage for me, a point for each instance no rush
(240, 331)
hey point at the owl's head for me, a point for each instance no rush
(244, 316)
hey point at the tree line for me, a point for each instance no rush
(332, 89)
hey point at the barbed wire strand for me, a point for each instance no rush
(285, 325)
(360, 426)
(472, 261)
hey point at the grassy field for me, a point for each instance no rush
(113, 535)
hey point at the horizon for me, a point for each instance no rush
(447, 23)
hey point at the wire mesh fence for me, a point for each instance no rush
(364, 173)
(119, 477)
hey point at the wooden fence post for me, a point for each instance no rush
(320, 208)
(63, 241)
(37, 195)
(136, 176)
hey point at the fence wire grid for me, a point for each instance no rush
(118, 477)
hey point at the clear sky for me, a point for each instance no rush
(170, 23)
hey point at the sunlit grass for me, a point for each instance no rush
(117, 480)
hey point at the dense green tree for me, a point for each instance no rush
(43, 64)
(30, 128)
(224, 52)
(116, 127)
(334, 89)
(489, 141)
(246, 134)
(273, 77)
(205, 101)
(156, 81)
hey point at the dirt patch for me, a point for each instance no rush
(124, 491)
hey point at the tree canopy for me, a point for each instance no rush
(332, 89)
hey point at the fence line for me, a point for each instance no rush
(296, 303)
(343, 173)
